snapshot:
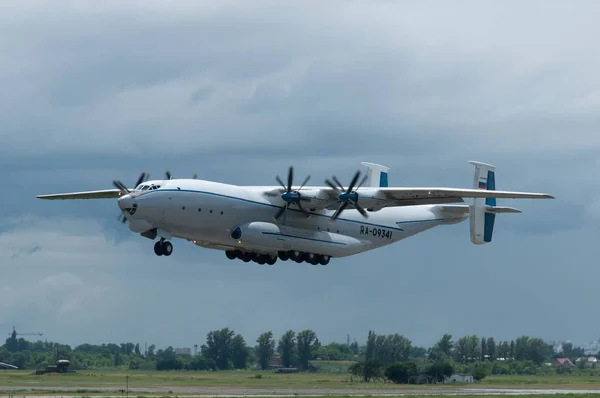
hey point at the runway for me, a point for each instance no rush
(283, 392)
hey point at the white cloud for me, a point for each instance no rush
(296, 74)
(61, 241)
(237, 92)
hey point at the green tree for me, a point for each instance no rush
(305, 341)
(418, 352)
(150, 352)
(239, 352)
(484, 350)
(439, 370)
(480, 372)
(265, 349)
(369, 370)
(491, 348)
(12, 344)
(287, 348)
(401, 372)
(218, 347)
(467, 349)
(442, 350)
(371, 337)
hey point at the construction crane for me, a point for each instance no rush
(14, 333)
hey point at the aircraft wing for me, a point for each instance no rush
(419, 194)
(394, 197)
(101, 194)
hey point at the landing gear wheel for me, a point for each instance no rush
(283, 256)
(167, 248)
(324, 260)
(232, 255)
(271, 260)
(158, 249)
(297, 256)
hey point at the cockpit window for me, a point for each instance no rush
(144, 187)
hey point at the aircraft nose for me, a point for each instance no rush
(125, 202)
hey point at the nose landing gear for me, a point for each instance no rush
(163, 248)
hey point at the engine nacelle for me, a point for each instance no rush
(269, 236)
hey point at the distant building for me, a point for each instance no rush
(275, 362)
(460, 378)
(183, 351)
(590, 362)
(564, 362)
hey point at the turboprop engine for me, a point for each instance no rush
(269, 236)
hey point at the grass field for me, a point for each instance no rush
(90, 382)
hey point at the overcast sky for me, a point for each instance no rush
(238, 91)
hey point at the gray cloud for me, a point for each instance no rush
(237, 93)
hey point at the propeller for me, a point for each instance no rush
(349, 195)
(124, 191)
(291, 197)
(170, 176)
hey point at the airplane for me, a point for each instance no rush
(313, 224)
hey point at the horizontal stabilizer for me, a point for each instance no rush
(500, 209)
(102, 194)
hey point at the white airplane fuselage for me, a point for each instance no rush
(213, 215)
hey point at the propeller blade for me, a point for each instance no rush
(304, 183)
(338, 182)
(280, 212)
(348, 195)
(362, 181)
(122, 218)
(354, 179)
(140, 179)
(303, 210)
(360, 209)
(339, 210)
(336, 189)
(120, 186)
(281, 182)
(290, 179)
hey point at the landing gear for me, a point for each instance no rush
(271, 259)
(163, 248)
(249, 256)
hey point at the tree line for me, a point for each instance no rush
(380, 356)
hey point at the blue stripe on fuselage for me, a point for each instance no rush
(278, 207)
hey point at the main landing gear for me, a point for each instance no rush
(299, 257)
(163, 248)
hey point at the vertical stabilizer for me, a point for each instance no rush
(482, 221)
(377, 175)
